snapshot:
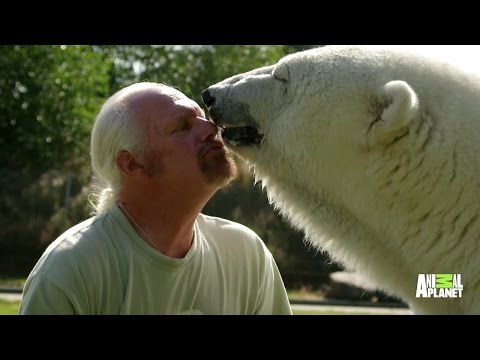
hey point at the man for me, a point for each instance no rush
(149, 250)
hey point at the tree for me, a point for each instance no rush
(49, 95)
(48, 98)
(190, 68)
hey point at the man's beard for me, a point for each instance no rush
(218, 169)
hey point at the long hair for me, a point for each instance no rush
(114, 130)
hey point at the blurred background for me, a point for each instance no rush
(49, 97)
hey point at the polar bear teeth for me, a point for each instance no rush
(241, 135)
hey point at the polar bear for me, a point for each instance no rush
(375, 153)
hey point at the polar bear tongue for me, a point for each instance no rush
(241, 135)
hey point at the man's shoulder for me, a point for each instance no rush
(223, 224)
(228, 230)
(81, 244)
(80, 230)
(74, 239)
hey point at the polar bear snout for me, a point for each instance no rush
(207, 98)
(239, 128)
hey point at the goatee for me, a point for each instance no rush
(218, 168)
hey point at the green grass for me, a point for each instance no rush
(308, 312)
(305, 294)
(9, 307)
(12, 281)
(327, 312)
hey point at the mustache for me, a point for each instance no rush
(210, 144)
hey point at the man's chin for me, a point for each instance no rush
(220, 171)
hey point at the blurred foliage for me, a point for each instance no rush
(190, 68)
(49, 98)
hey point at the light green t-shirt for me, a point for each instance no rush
(102, 266)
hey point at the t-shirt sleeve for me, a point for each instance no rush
(43, 297)
(273, 298)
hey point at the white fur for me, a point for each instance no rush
(374, 153)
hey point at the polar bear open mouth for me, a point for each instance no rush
(241, 135)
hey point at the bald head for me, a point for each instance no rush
(145, 100)
(137, 93)
(119, 126)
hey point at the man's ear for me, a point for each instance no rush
(130, 166)
(395, 107)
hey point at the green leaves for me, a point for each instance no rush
(190, 68)
(48, 99)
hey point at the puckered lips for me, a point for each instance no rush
(213, 147)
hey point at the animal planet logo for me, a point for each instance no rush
(439, 286)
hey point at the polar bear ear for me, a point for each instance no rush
(396, 105)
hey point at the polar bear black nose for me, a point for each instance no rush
(207, 98)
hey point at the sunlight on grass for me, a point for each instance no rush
(326, 312)
(310, 312)
(9, 307)
(305, 294)
(12, 281)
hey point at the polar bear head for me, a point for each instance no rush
(326, 119)
(333, 99)
(371, 151)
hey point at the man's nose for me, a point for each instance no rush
(209, 129)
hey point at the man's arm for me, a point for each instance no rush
(274, 299)
(43, 297)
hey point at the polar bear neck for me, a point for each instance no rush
(396, 240)
(335, 230)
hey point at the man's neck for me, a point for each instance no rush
(165, 219)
